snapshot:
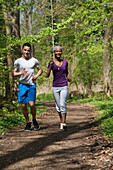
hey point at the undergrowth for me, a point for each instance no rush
(104, 109)
(45, 97)
(11, 115)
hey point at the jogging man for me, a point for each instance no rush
(24, 67)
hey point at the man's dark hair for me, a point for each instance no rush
(26, 44)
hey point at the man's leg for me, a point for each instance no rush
(31, 99)
(23, 99)
(33, 112)
(33, 109)
(25, 112)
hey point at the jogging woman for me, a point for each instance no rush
(61, 77)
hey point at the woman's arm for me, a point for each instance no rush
(67, 74)
(49, 69)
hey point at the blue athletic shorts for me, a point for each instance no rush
(26, 93)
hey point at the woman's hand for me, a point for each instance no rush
(69, 79)
(49, 69)
(51, 64)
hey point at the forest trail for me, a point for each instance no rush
(80, 147)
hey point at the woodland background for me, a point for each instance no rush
(83, 28)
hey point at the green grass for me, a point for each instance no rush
(9, 119)
(104, 109)
(45, 97)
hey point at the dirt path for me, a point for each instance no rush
(80, 147)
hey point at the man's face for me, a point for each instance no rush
(26, 52)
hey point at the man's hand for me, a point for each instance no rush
(16, 73)
(24, 72)
(34, 78)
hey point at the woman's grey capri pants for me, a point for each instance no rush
(60, 96)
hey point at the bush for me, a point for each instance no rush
(45, 97)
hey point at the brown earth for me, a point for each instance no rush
(81, 146)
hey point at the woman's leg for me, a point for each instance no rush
(63, 103)
(60, 96)
(56, 94)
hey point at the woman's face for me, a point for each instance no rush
(58, 53)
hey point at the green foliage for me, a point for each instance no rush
(11, 116)
(80, 32)
(73, 99)
(45, 97)
(10, 121)
(104, 108)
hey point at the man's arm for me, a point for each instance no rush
(16, 73)
(40, 71)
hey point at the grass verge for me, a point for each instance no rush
(104, 110)
(11, 115)
(45, 97)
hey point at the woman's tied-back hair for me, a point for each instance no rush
(57, 47)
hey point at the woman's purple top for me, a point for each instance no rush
(59, 74)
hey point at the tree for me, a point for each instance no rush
(92, 34)
(107, 72)
(11, 17)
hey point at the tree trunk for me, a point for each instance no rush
(107, 59)
(12, 29)
(9, 59)
(30, 25)
(52, 26)
(17, 49)
(16, 30)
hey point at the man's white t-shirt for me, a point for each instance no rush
(29, 66)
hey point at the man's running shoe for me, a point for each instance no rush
(36, 125)
(28, 127)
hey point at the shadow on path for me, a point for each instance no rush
(31, 149)
(34, 148)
